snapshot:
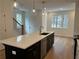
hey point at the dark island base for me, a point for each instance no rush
(32, 52)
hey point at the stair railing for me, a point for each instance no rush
(22, 26)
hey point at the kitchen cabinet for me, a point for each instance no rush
(50, 41)
(32, 52)
(46, 45)
(36, 47)
(43, 48)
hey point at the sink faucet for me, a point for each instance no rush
(41, 27)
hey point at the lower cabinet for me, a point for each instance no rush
(50, 42)
(43, 48)
(46, 45)
(32, 52)
(36, 51)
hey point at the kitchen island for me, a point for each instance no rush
(31, 46)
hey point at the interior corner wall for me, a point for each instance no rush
(62, 32)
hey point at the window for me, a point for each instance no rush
(60, 21)
(19, 19)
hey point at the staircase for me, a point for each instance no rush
(20, 29)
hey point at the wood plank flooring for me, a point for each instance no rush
(2, 54)
(62, 49)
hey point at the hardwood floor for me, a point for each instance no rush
(2, 54)
(62, 49)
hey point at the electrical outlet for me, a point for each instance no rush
(14, 52)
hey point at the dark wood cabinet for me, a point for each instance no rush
(50, 42)
(36, 51)
(47, 44)
(32, 52)
(43, 47)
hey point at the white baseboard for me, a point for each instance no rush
(64, 36)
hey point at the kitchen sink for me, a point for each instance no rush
(44, 33)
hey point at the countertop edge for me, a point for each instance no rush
(29, 45)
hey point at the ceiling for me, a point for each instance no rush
(50, 4)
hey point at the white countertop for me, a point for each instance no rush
(25, 41)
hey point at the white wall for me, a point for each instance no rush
(8, 9)
(44, 22)
(35, 21)
(16, 30)
(2, 30)
(6, 21)
(62, 32)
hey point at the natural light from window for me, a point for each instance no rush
(19, 19)
(60, 21)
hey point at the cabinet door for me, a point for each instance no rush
(8, 53)
(32, 52)
(50, 41)
(43, 48)
(36, 51)
(52, 38)
(48, 44)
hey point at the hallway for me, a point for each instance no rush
(63, 49)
